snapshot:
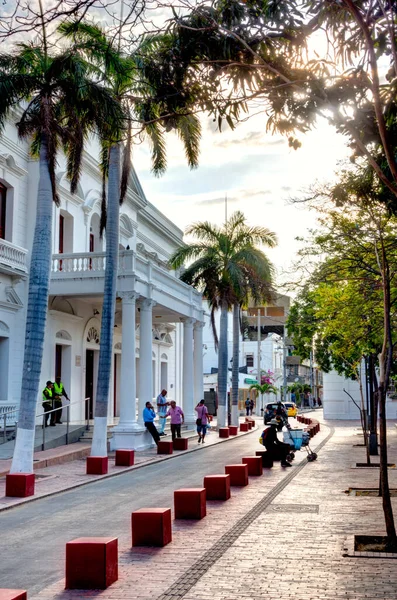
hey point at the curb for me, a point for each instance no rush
(127, 470)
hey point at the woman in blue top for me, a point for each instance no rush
(148, 417)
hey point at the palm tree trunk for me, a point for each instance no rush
(235, 365)
(39, 278)
(222, 367)
(99, 441)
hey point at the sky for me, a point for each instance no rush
(259, 173)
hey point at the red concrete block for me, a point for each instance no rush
(91, 563)
(233, 430)
(223, 432)
(238, 474)
(151, 527)
(217, 487)
(97, 465)
(267, 461)
(190, 503)
(250, 424)
(165, 448)
(180, 444)
(244, 427)
(125, 458)
(13, 594)
(20, 485)
(254, 464)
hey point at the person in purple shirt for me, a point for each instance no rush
(202, 420)
(177, 419)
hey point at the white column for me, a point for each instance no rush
(188, 383)
(145, 392)
(198, 362)
(128, 374)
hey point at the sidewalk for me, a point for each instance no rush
(64, 468)
(285, 536)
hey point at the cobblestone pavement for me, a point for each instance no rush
(284, 536)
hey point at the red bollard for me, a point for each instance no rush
(91, 563)
(20, 485)
(124, 458)
(190, 503)
(217, 487)
(151, 527)
(238, 474)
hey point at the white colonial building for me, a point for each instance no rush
(158, 323)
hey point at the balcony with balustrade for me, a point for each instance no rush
(13, 259)
(82, 274)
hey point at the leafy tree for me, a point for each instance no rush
(350, 299)
(60, 104)
(228, 268)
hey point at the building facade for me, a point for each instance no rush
(159, 319)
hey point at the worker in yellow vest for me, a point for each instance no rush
(48, 400)
(59, 391)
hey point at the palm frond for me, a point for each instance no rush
(189, 130)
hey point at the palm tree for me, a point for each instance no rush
(61, 104)
(228, 268)
(149, 92)
(265, 388)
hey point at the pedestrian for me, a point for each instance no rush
(273, 445)
(247, 407)
(177, 419)
(252, 404)
(48, 404)
(202, 420)
(162, 405)
(148, 418)
(59, 391)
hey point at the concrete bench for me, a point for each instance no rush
(180, 443)
(223, 432)
(151, 527)
(20, 485)
(254, 464)
(125, 458)
(267, 460)
(165, 448)
(233, 430)
(97, 465)
(190, 503)
(244, 427)
(238, 474)
(217, 487)
(6, 594)
(91, 563)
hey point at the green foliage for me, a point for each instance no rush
(227, 266)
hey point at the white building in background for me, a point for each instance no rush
(338, 405)
(158, 323)
(271, 354)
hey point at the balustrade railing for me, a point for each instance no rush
(13, 256)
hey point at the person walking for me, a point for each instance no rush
(202, 420)
(148, 418)
(252, 405)
(59, 391)
(273, 445)
(162, 405)
(48, 404)
(247, 407)
(177, 419)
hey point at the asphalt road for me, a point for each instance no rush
(33, 536)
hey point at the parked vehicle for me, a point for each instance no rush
(270, 411)
(292, 409)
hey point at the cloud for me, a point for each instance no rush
(215, 201)
(286, 188)
(253, 138)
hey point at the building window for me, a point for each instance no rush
(3, 197)
(249, 360)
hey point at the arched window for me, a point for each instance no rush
(93, 336)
